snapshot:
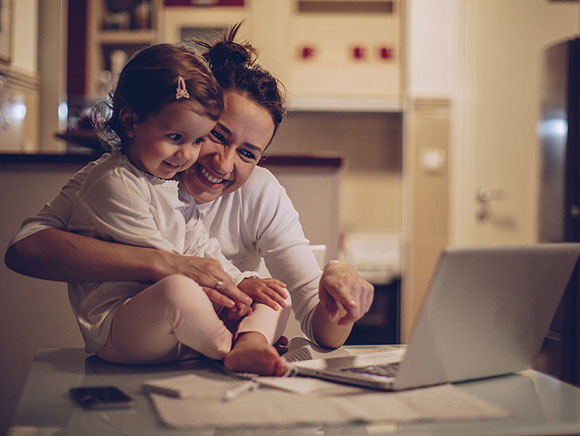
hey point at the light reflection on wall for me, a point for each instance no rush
(553, 136)
(18, 110)
(553, 128)
(13, 112)
(19, 106)
(63, 112)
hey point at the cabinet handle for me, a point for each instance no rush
(575, 211)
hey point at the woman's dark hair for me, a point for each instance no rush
(150, 80)
(235, 68)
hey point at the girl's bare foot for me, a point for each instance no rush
(252, 353)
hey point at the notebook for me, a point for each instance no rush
(485, 313)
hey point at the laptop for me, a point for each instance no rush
(486, 313)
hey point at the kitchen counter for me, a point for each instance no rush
(311, 180)
(15, 160)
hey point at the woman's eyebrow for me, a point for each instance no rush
(224, 128)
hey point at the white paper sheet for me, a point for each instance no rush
(308, 385)
(269, 407)
(191, 386)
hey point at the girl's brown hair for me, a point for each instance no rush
(150, 80)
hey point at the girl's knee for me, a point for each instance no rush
(178, 289)
(177, 281)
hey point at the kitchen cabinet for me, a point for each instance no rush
(346, 52)
(330, 55)
(115, 30)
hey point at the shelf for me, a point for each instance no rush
(126, 36)
(310, 160)
(344, 104)
(107, 34)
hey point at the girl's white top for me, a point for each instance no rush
(118, 202)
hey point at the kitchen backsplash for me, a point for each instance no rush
(371, 177)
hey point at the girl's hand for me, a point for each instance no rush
(234, 313)
(270, 292)
(210, 275)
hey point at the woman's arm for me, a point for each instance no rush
(58, 255)
(328, 303)
(54, 254)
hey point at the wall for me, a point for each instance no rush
(25, 35)
(52, 64)
(426, 194)
(431, 75)
(314, 192)
(371, 145)
(33, 313)
(431, 48)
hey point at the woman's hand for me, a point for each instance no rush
(216, 283)
(342, 285)
(270, 292)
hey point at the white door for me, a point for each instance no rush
(495, 149)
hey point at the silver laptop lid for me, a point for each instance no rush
(486, 312)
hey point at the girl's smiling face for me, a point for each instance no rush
(232, 150)
(168, 141)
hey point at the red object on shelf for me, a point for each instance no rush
(385, 52)
(358, 52)
(307, 52)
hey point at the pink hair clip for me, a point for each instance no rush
(181, 89)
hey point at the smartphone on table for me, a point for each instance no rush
(101, 397)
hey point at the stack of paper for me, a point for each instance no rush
(219, 400)
(272, 407)
(197, 401)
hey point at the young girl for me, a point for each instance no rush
(165, 105)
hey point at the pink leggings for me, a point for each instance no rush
(174, 319)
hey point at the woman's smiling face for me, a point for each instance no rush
(234, 147)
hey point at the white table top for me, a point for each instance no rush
(538, 404)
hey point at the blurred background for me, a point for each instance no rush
(413, 125)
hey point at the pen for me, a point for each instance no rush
(242, 389)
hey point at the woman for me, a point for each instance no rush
(242, 205)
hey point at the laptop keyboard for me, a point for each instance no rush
(384, 370)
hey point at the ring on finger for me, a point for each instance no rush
(219, 284)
